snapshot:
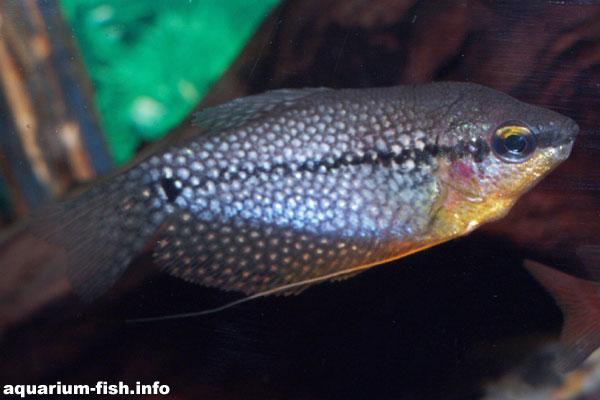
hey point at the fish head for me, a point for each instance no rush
(498, 147)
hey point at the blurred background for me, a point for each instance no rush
(86, 85)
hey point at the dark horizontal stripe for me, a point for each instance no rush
(477, 150)
(372, 157)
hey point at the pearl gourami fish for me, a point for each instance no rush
(292, 187)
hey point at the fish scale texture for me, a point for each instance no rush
(291, 187)
(306, 192)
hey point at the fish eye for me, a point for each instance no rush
(513, 142)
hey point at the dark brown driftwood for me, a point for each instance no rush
(429, 326)
(49, 136)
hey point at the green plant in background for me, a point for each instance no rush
(151, 61)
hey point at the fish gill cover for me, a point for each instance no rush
(152, 61)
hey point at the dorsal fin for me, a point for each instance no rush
(580, 304)
(240, 111)
(589, 254)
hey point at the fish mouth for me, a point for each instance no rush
(563, 151)
(571, 130)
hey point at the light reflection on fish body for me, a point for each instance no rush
(292, 187)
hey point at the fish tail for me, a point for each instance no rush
(580, 304)
(101, 230)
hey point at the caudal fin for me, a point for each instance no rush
(580, 305)
(101, 230)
